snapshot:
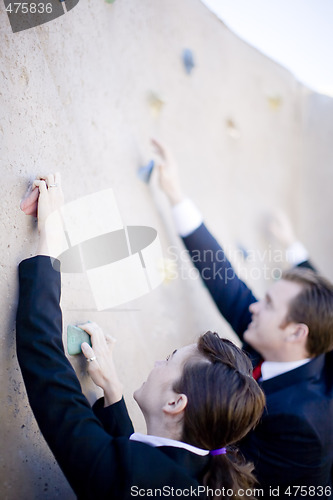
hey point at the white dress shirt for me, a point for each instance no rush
(270, 369)
(187, 217)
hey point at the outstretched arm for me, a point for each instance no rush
(82, 447)
(280, 229)
(168, 174)
(230, 294)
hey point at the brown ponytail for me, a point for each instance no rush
(224, 403)
(232, 475)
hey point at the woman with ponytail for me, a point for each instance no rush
(197, 404)
(224, 403)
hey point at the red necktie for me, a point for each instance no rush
(257, 371)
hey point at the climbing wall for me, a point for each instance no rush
(82, 95)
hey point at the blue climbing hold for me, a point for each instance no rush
(188, 60)
(145, 172)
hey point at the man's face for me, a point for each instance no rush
(267, 332)
(154, 394)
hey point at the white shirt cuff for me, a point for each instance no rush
(187, 217)
(296, 253)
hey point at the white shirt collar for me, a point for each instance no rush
(270, 369)
(156, 441)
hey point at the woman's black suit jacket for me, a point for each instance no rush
(92, 449)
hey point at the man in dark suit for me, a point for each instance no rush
(289, 337)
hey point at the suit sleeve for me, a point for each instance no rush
(114, 418)
(230, 294)
(86, 453)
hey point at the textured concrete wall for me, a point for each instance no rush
(316, 205)
(75, 98)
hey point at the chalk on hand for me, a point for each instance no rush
(145, 172)
(30, 202)
(75, 337)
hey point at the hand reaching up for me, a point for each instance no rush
(168, 174)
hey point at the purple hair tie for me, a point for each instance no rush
(219, 451)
